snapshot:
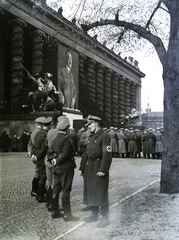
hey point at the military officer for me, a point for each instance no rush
(95, 165)
(32, 152)
(39, 157)
(61, 156)
(51, 135)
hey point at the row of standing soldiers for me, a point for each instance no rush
(129, 142)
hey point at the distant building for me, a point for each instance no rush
(152, 120)
(34, 39)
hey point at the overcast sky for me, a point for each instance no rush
(152, 84)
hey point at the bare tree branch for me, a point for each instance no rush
(153, 13)
(141, 31)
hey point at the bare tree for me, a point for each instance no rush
(170, 62)
(139, 25)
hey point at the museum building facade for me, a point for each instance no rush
(33, 39)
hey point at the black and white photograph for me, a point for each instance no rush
(89, 109)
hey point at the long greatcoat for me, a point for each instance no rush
(121, 142)
(151, 142)
(97, 158)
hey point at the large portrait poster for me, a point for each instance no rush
(67, 81)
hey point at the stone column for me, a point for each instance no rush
(91, 86)
(100, 87)
(82, 84)
(107, 95)
(138, 98)
(121, 102)
(37, 51)
(127, 95)
(133, 96)
(115, 100)
(2, 61)
(17, 61)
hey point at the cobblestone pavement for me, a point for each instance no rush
(22, 217)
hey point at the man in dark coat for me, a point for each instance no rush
(25, 139)
(95, 165)
(150, 143)
(60, 154)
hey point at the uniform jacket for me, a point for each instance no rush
(150, 140)
(97, 158)
(114, 140)
(121, 142)
(132, 145)
(31, 146)
(67, 86)
(62, 150)
(51, 135)
(40, 146)
(84, 139)
(159, 142)
(74, 141)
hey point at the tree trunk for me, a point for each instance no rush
(170, 161)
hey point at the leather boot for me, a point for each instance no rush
(35, 182)
(55, 206)
(67, 210)
(105, 217)
(49, 198)
(104, 222)
(94, 216)
(41, 193)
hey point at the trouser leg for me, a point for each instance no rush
(41, 192)
(105, 211)
(95, 210)
(66, 205)
(49, 192)
(105, 217)
(55, 203)
(41, 186)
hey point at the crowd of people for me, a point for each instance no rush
(15, 143)
(135, 143)
(52, 147)
(124, 142)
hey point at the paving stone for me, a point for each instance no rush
(23, 218)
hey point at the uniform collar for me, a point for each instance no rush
(96, 135)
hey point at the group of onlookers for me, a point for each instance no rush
(15, 143)
(135, 143)
(129, 143)
(125, 142)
